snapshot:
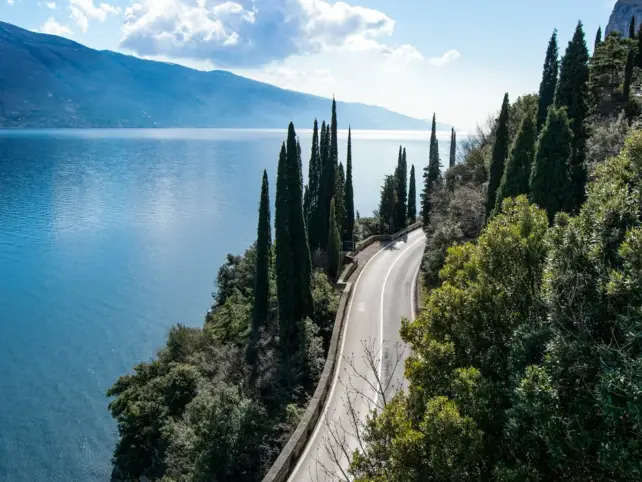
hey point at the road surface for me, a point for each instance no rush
(383, 294)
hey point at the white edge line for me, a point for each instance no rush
(304, 455)
(383, 293)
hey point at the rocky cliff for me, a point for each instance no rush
(620, 19)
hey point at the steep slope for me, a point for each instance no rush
(620, 19)
(49, 81)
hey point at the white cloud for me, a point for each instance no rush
(51, 5)
(51, 26)
(448, 57)
(84, 10)
(250, 33)
(10, 2)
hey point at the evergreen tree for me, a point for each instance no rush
(498, 160)
(572, 92)
(453, 149)
(549, 81)
(314, 185)
(432, 174)
(401, 178)
(261, 307)
(334, 245)
(632, 28)
(339, 197)
(412, 197)
(639, 57)
(334, 143)
(518, 166)
(598, 39)
(628, 77)
(348, 227)
(293, 255)
(327, 187)
(550, 181)
(387, 204)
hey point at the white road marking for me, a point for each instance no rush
(383, 293)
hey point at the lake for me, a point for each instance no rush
(109, 237)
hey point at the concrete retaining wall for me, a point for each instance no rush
(284, 464)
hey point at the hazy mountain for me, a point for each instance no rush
(49, 81)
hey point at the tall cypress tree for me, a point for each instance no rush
(628, 77)
(261, 307)
(328, 184)
(293, 255)
(412, 197)
(572, 92)
(314, 185)
(334, 142)
(549, 80)
(401, 179)
(334, 245)
(550, 181)
(453, 149)
(498, 160)
(598, 39)
(516, 177)
(632, 28)
(639, 57)
(432, 174)
(348, 228)
(387, 204)
(339, 197)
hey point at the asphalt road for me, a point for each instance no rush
(383, 295)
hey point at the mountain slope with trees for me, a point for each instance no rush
(49, 81)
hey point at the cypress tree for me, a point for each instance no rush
(348, 228)
(328, 184)
(334, 245)
(401, 179)
(632, 28)
(283, 249)
(432, 174)
(628, 77)
(314, 180)
(339, 196)
(549, 81)
(498, 160)
(334, 143)
(550, 181)
(572, 92)
(293, 255)
(412, 197)
(453, 149)
(639, 57)
(518, 166)
(598, 39)
(387, 204)
(261, 307)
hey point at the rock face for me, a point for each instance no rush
(620, 19)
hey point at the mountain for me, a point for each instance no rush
(49, 81)
(621, 16)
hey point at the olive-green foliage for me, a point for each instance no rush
(197, 412)
(334, 246)
(549, 80)
(550, 177)
(366, 227)
(518, 166)
(412, 196)
(606, 75)
(607, 139)
(500, 152)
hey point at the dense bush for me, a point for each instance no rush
(198, 412)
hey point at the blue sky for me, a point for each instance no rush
(412, 56)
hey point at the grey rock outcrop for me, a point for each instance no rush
(620, 19)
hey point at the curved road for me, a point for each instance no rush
(383, 294)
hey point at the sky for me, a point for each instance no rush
(416, 57)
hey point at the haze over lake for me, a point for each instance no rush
(107, 238)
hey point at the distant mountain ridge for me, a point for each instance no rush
(50, 81)
(623, 12)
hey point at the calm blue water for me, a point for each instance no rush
(107, 238)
